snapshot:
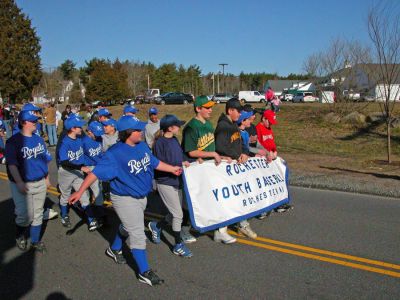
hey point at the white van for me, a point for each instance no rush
(251, 96)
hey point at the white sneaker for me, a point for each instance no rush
(49, 214)
(222, 235)
(247, 231)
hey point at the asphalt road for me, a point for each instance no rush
(360, 232)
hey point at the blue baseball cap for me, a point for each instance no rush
(104, 112)
(96, 128)
(73, 121)
(111, 122)
(27, 115)
(170, 120)
(130, 109)
(129, 122)
(31, 107)
(153, 111)
(243, 116)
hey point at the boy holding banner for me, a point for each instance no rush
(266, 139)
(228, 143)
(198, 143)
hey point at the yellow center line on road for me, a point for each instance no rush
(325, 252)
(262, 243)
(321, 258)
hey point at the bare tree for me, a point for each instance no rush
(384, 32)
(335, 69)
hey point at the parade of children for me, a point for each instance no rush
(116, 164)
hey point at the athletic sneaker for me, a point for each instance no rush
(150, 278)
(116, 255)
(186, 237)
(39, 247)
(283, 208)
(22, 243)
(181, 250)
(264, 215)
(247, 231)
(222, 235)
(49, 214)
(94, 224)
(66, 221)
(155, 232)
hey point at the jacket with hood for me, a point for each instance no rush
(228, 141)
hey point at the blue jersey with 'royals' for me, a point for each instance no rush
(71, 150)
(130, 169)
(92, 150)
(29, 155)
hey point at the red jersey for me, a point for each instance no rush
(266, 137)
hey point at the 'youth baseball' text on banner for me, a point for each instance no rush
(221, 195)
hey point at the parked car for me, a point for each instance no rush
(139, 99)
(151, 95)
(287, 97)
(304, 97)
(222, 97)
(174, 98)
(251, 96)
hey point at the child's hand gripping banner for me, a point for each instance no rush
(221, 195)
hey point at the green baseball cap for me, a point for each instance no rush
(203, 101)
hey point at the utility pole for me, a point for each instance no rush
(218, 82)
(213, 79)
(148, 81)
(223, 74)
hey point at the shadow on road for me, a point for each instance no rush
(16, 275)
(378, 175)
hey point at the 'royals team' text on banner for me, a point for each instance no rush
(221, 195)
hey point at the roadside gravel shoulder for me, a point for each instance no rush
(388, 186)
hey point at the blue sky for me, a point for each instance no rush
(249, 35)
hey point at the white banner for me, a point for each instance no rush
(221, 195)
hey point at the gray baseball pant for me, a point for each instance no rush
(172, 198)
(97, 191)
(68, 180)
(29, 206)
(131, 213)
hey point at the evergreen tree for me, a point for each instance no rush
(68, 68)
(19, 53)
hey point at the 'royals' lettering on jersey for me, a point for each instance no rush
(71, 150)
(138, 165)
(92, 151)
(130, 170)
(29, 155)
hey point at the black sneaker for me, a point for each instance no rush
(39, 247)
(150, 278)
(66, 221)
(116, 255)
(22, 243)
(94, 225)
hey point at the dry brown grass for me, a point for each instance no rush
(309, 143)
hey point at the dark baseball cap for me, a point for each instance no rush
(170, 120)
(234, 103)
